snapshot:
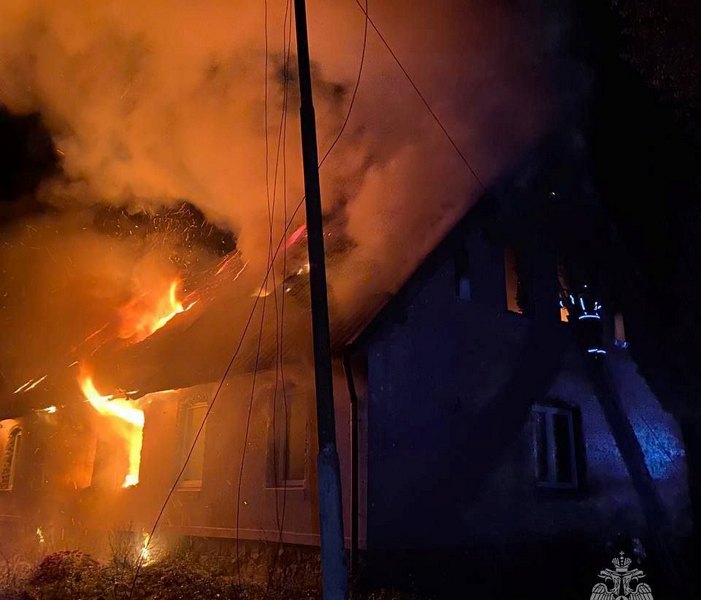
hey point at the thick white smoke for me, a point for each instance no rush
(156, 102)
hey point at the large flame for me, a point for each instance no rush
(139, 318)
(147, 313)
(127, 415)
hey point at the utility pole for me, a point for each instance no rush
(333, 568)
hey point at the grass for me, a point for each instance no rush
(75, 575)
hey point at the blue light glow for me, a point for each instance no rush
(661, 448)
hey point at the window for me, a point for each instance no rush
(463, 288)
(619, 332)
(563, 288)
(517, 299)
(557, 445)
(287, 441)
(9, 459)
(109, 454)
(191, 416)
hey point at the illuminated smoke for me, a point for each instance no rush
(153, 103)
(162, 101)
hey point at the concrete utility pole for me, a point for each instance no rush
(333, 568)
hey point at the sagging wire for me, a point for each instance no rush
(423, 99)
(271, 265)
(281, 245)
(279, 330)
(215, 397)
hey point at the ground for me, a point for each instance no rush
(76, 575)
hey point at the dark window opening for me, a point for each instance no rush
(463, 286)
(558, 446)
(288, 441)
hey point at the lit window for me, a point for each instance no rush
(563, 287)
(619, 331)
(515, 281)
(192, 415)
(564, 314)
(9, 459)
(287, 445)
(556, 446)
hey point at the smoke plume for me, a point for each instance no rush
(154, 103)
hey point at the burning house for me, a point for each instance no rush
(491, 404)
(488, 413)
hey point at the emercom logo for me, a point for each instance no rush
(621, 583)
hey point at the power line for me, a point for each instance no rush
(355, 88)
(281, 244)
(198, 433)
(423, 99)
(246, 434)
(279, 332)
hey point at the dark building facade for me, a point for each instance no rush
(487, 442)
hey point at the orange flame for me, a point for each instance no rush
(125, 413)
(146, 314)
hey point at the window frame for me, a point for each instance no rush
(517, 281)
(549, 409)
(292, 394)
(14, 437)
(185, 426)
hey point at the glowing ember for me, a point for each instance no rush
(145, 554)
(30, 385)
(125, 413)
(40, 535)
(148, 313)
(49, 410)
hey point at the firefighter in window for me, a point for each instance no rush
(585, 310)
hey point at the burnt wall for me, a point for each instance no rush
(77, 500)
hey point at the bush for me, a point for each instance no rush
(178, 579)
(14, 573)
(73, 575)
(68, 574)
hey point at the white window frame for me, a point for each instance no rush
(551, 481)
(187, 408)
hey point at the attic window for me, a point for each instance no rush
(9, 459)
(563, 287)
(619, 332)
(463, 287)
(515, 281)
(557, 446)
